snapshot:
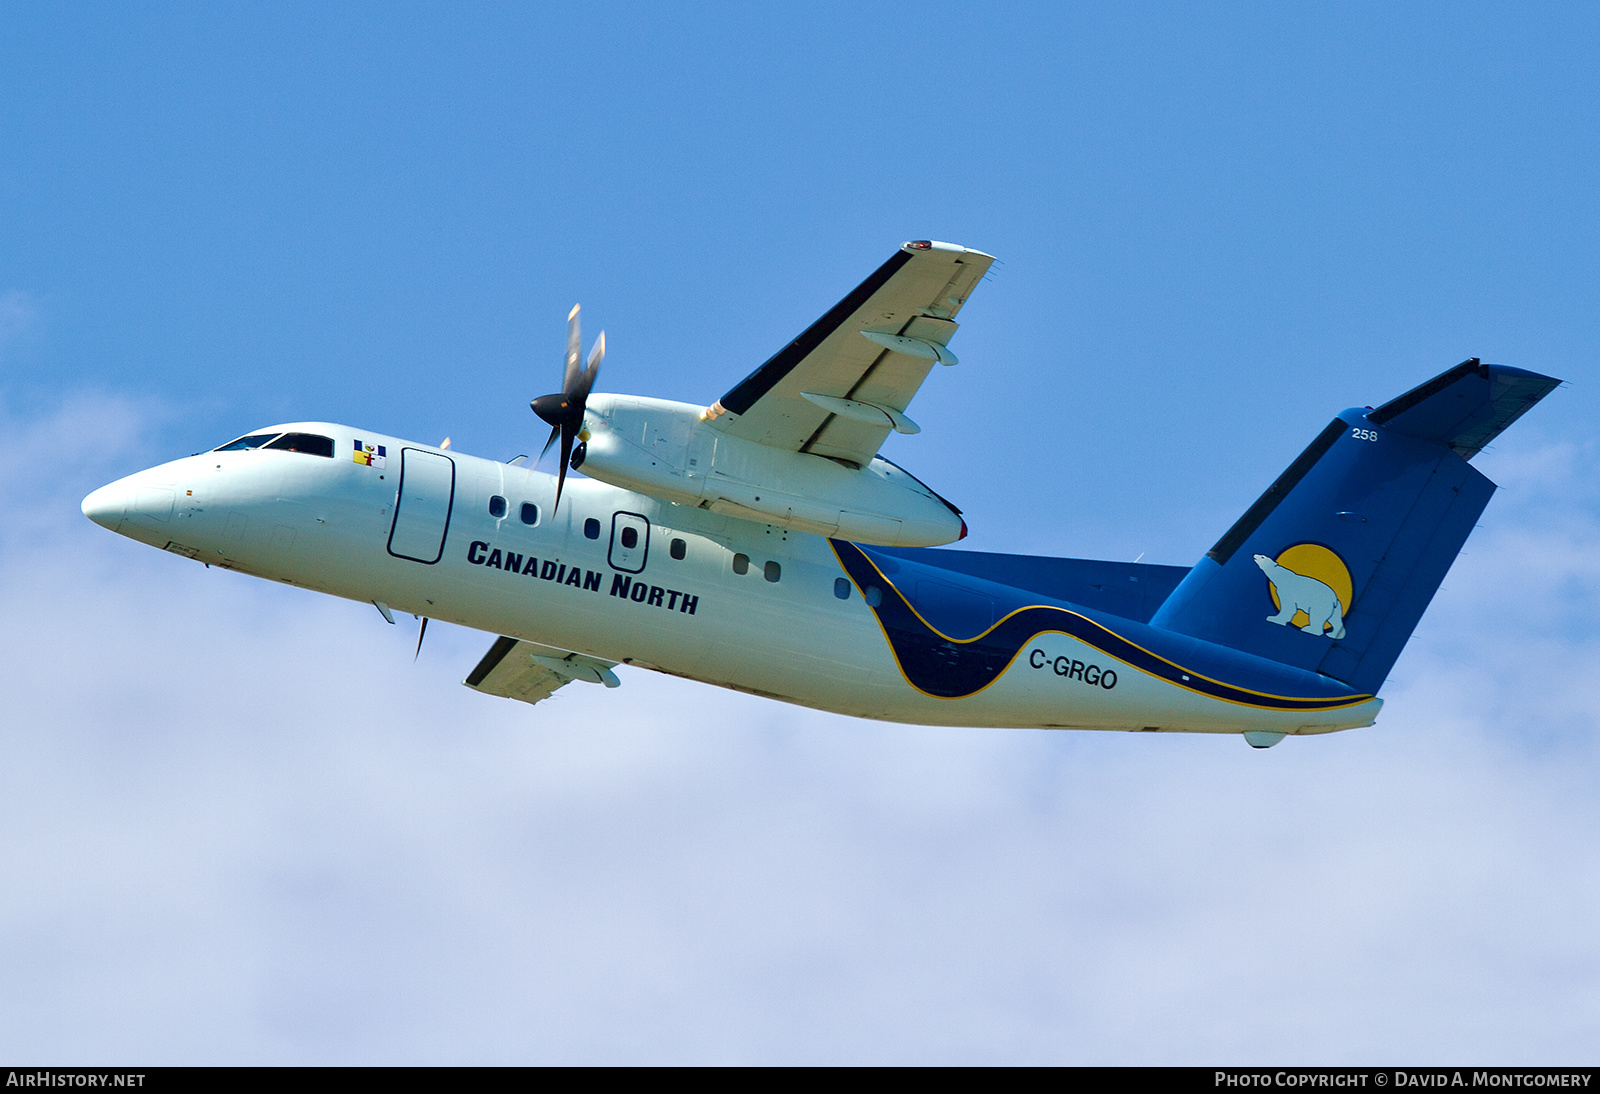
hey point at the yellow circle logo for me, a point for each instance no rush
(1317, 562)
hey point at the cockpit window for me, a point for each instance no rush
(255, 440)
(309, 443)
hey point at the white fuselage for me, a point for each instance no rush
(779, 629)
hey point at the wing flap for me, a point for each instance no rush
(530, 672)
(875, 346)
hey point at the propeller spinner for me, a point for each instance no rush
(564, 409)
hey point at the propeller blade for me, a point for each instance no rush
(574, 352)
(555, 431)
(596, 356)
(561, 475)
(563, 411)
(421, 633)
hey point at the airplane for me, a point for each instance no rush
(761, 543)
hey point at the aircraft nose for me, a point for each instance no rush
(107, 506)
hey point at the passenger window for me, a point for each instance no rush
(741, 564)
(630, 538)
(678, 549)
(307, 443)
(255, 440)
(873, 596)
(591, 529)
(530, 513)
(497, 507)
(841, 588)
(772, 571)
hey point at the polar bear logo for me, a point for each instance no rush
(1299, 593)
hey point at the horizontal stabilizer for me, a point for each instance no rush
(1466, 408)
(1133, 590)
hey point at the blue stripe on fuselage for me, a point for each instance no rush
(951, 666)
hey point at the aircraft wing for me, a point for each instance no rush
(527, 671)
(845, 382)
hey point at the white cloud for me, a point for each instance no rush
(239, 825)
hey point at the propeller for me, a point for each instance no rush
(564, 410)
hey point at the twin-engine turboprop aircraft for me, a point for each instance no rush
(762, 544)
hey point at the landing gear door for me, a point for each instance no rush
(422, 507)
(630, 542)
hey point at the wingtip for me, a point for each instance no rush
(916, 245)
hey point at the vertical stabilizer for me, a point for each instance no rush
(1333, 566)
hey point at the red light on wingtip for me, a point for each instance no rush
(963, 534)
(921, 244)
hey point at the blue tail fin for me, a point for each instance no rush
(1332, 567)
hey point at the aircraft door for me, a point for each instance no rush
(630, 542)
(422, 506)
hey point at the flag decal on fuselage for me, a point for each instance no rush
(372, 455)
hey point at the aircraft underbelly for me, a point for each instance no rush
(1055, 681)
(836, 658)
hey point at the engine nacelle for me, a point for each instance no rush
(665, 450)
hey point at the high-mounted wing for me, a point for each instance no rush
(529, 672)
(839, 388)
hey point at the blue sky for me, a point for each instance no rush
(240, 825)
